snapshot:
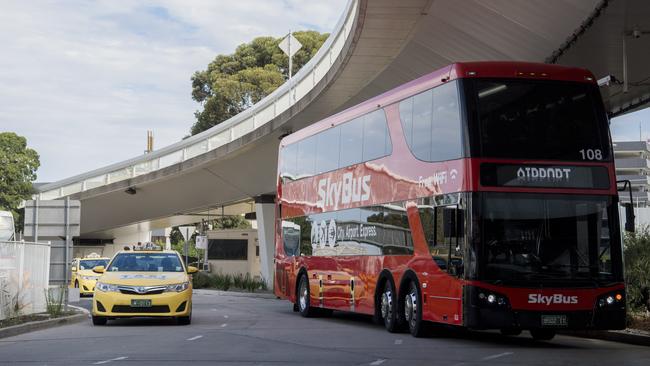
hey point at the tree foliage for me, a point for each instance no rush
(234, 82)
(18, 165)
(637, 268)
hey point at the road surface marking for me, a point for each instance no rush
(111, 360)
(195, 338)
(224, 325)
(497, 356)
(398, 341)
(214, 309)
(225, 316)
(378, 362)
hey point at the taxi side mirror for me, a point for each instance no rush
(99, 269)
(74, 269)
(192, 269)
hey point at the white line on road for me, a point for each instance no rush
(225, 316)
(378, 362)
(224, 325)
(111, 360)
(195, 338)
(214, 309)
(398, 341)
(497, 356)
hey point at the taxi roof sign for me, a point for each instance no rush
(147, 246)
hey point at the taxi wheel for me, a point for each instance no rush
(99, 320)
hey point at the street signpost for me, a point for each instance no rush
(187, 232)
(290, 45)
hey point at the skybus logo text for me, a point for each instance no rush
(551, 299)
(347, 190)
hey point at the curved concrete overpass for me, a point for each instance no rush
(376, 45)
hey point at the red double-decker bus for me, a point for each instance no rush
(481, 195)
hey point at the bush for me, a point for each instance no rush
(54, 301)
(637, 268)
(200, 280)
(226, 281)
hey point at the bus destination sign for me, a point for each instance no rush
(544, 176)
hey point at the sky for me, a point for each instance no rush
(626, 127)
(84, 80)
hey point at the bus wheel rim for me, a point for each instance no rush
(387, 304)
(411, 307)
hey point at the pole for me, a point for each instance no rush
(290, 58)
(65, 251)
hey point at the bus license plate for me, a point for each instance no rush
(140, 303)
(554, 321)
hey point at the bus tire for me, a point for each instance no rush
(303, 298)
(388, 307)
(412, 305)
(542, 334)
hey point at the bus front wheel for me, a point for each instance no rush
(303, 298)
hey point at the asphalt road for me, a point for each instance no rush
(245, 330)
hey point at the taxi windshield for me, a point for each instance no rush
(92, 263)
(146, 262)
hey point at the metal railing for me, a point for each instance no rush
(24, 277)
(281, 100)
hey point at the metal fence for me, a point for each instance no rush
(24, 277)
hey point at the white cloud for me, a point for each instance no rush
(83, 81)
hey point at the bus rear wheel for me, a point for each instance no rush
(303, 298)
(413, 310)
(387, 308)
(542, 334)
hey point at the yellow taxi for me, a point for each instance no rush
(83, 276)
(144, 283)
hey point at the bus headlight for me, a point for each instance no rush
(106, 287)
(178, 287)
(611, 299)
(491, 298)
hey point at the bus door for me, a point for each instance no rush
(443, 228)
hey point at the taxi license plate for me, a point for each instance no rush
(140, 303)
(554, 321)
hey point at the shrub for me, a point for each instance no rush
(637, 268)
(54, 301)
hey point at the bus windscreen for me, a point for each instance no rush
(542, 237)
(546, 120)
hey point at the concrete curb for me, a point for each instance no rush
(620, 336)
(41, 324)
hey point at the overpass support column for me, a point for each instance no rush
(265, 215)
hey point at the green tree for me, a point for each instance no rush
(234, 82)
(18, 165)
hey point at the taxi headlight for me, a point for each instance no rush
(178, 287)
(106, 287)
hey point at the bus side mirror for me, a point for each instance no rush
(629, 217)
(453, 221)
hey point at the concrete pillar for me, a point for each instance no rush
(265, 216)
